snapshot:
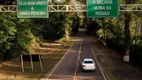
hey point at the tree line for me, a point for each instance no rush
(123, 33)
(20, 35)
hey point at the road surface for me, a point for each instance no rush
(69, 67)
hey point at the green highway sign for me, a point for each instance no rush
(102, 8)
(32, 8)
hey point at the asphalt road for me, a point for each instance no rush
(69, 68)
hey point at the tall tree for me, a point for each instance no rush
(127, 31)
(127, 36)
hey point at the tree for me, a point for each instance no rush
(127, 31)
(7, 34)
(127, 36)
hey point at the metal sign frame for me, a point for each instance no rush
(74, 8)
(30, 59)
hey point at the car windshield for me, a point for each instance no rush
(88, 62)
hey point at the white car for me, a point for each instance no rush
(88, 64)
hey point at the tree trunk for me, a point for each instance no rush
(127, 37)
(104, 33)
(67, 32)
(137, 31)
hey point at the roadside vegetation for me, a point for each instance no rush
(49, 37)
(19, 36)
(51, 53)
(123, 33)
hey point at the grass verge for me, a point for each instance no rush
(11, 70)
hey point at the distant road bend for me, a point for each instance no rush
(69, 67)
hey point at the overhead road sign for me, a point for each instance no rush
(32, 9)
(102, 8)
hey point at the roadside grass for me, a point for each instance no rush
(11, 70)
(112, 63)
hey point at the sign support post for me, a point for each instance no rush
(31, 62)
(40, 63)
(22, 63)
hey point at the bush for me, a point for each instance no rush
(112, 43)
(136, 54)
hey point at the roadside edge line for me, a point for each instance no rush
(78, 57)
(58, 62)
(97, 61)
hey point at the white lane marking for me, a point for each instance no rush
(97, 61)
(58, 63)
(78, 58)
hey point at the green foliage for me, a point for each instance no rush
(53, 28)
(7, 33)
(75, 24)
(15, 36)
(19, 36)
(120, 33)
